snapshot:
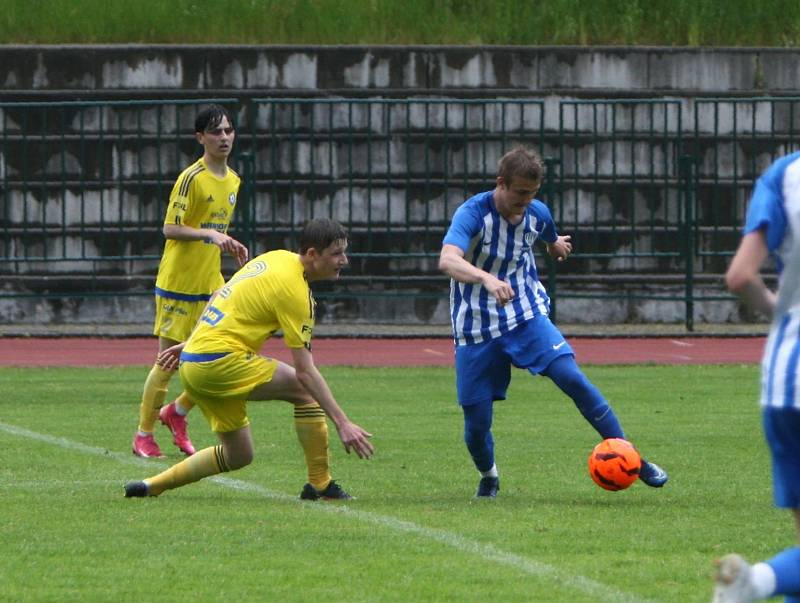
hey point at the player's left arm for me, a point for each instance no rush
(743, 277)
(559, 247)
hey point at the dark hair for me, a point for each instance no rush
(320, 233)
(520, 162)
(210, 118)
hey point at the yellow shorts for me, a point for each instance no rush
(175, 319)
(220, 387)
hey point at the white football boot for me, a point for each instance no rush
(733, 581)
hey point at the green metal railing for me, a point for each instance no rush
(734, 141)
(393, 171)
(652, 191)
(328, 156)
(84, 188)
(621, 195)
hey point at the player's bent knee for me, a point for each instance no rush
(239, 459)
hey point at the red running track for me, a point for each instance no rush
(388, 352)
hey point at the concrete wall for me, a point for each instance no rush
(180, 70)
(246, 72)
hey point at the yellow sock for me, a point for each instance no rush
(155, 391)
(205, 462)
(312, 431)
(185, 402)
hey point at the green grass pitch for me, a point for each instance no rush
(414, 533)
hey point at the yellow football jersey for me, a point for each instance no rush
(270, 292)
(202, 200)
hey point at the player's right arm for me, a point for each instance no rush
(764, 231)
(743, 277)
(352, 435)
(183, 204)
(226, 243)
(170, 359)
(454, 265)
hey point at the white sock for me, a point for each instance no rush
(180, 410)
(762, 577)
(491, 473)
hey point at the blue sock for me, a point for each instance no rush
(786, 566)
(568, 377)
(478, 434)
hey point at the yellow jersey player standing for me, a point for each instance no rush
(200, 208)
(221, 369)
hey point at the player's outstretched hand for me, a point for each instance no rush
(170, 358)
(355, 437)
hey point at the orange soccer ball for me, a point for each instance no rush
(614, 464)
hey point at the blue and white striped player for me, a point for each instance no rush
(499, 310)
(773, 227)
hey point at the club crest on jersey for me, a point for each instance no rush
(210, 199)
(530, 237)
(232, 198)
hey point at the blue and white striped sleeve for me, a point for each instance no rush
(465, 225)
(766, 210)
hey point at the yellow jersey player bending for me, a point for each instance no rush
(221, 369)
(200, 208)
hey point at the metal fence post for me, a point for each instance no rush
(549, 198)
(687, 165)
(248, 213)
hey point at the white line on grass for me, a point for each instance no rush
(487, 552)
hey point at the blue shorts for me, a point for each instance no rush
(483, 370)
(782, 430)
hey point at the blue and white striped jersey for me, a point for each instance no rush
(506, 251)
(775, 208)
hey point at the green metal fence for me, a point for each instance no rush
(387, 168)
(652, 191)
(620, 195)
(84, 191)
(393, 171)
(734, 141)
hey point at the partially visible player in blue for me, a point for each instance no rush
(773, 227)
(499, 311)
